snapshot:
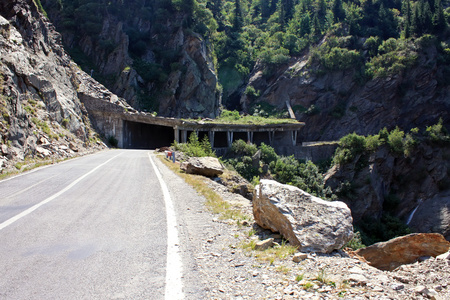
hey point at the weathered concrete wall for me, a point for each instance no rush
(106, 117)
(315, 152)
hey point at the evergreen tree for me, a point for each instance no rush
(188, 8)
(369, 13)
(321, 9)
(415, 20)
(265, 9)
(288, 8)
(238, 19)
(338, 11)
(406, 10)
(320, 12)
(216, 7)
(305, 25)
(427, 18)
(316, 26)
(387, 22)
(439, 23)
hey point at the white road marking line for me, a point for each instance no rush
(53, 197)
(174, 287)
(28, 188)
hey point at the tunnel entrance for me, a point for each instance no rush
(146, 136)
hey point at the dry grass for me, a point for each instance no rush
(269, 255)
(214, 201)
(28, 165)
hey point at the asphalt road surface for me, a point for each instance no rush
(90, 228)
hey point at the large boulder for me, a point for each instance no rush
(404, 250)
(206, 166)
(306, 221)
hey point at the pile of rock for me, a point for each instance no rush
(205, 166)
(312, 224)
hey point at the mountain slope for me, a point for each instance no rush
(42, 116)
(143, 51)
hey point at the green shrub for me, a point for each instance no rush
(268, 154)
(373, 142)
(356, 242)
(395, 140)
(240, 147)
(349, 147)
(285, 169)
(438, 133)
(113, 142)
(394, 57)
(194, 147)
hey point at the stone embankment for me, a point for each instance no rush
(244, 261)
(231, 270)
(41, 111)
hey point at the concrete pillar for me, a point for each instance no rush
(250, 137)
(176, 134)
(184, 136)
(211, 138)
(229, 138)
(294, 137)
(271, 137)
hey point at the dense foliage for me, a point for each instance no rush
(194, 147)
(355, 150)
(375, 38)
(254, 162)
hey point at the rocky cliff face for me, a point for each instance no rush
(414, 188)
(40, 90)
(149, 59)
(335, 103)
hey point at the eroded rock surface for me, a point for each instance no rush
(41, 89)
(206, 166)
(404, 250)
(306, 221)
(415, 188)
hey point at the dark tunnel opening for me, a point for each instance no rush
(146, 136)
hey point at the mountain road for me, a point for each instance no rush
(102, 226)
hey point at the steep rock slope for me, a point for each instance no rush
(41, 112)
(334, 103)
(143, 53)
(413, 188)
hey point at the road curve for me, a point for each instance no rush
(89, 228)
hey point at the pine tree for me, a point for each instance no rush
(265, 9)
(305, 25)
(216, 7)
(415, 20)
(406, 10)
(427, 18)
(188, 8)
(387, 22)
(438, 20)
(338, 11)
(288, 7)
(316, 26)
(238, 19)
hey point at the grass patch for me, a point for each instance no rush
(214, 201)
(233, 117)
(28, 165)
(269, 255)
(283, 269)
(299, 277)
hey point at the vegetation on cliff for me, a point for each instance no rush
(371, 38)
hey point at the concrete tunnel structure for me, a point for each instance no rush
(139, 130)
(154, 132)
